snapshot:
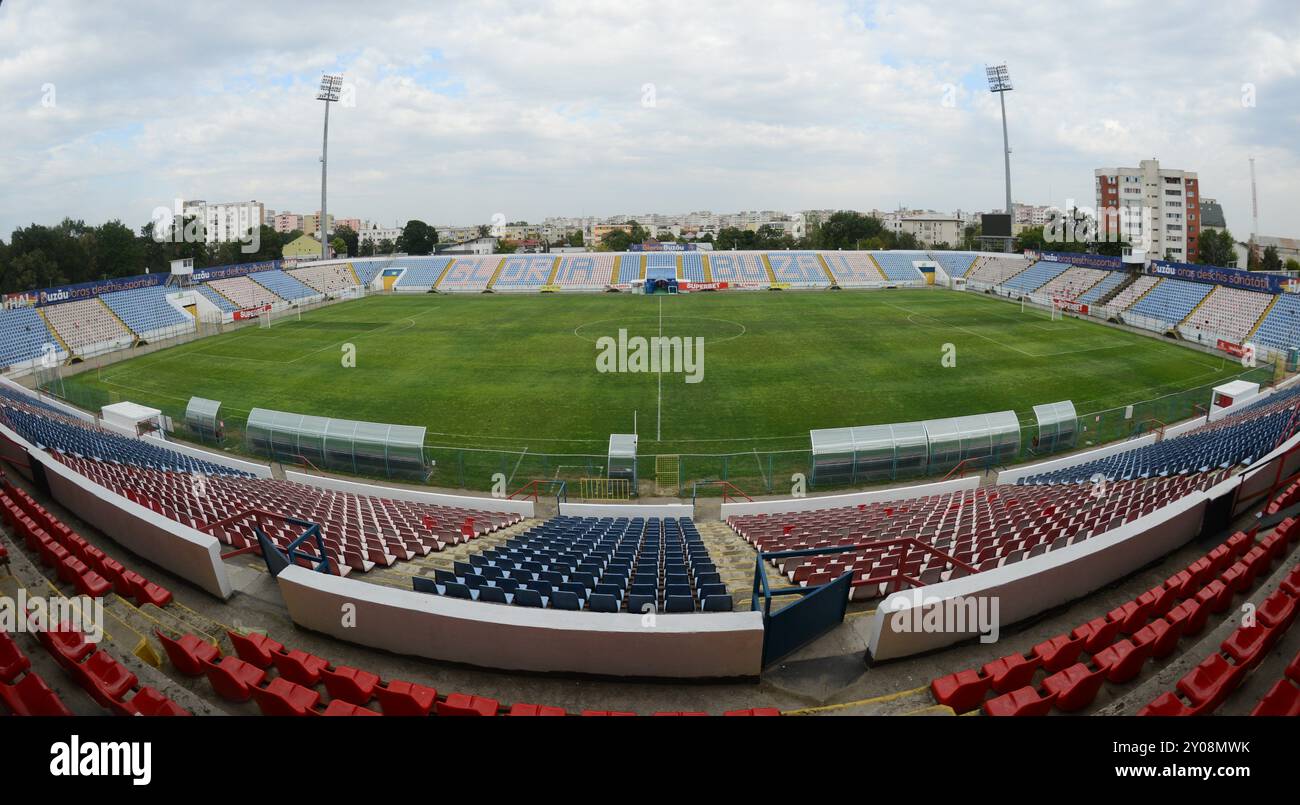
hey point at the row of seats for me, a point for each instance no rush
(1283, 699)
(112, 685)
(86, 323)
(282, 284)
(86, 440)
(1133, 292)
(1203, 689)
(326, 279)
(146, 309)
(693, 267)
(525, 272)
(1096, 293)
(899, 266)
(1074, 282)
(738, 268)
(960, 532)
(470, 273)
(1114, 648)
(590, 272)
(215, 297)
(854, 269)
(1239, 439)
(302, 682)
(1171, 300)
(77, 562)
(996, 270)
(1281, 326)
(1036, 276)
(1228, 313)
(630, 268)
(368, 271)
(420, 273)
(599, 564)
(22, 691)
(798, 269)
(24, 337)
(955, 264)
(243, 293)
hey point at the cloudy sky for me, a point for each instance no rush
(458, 111)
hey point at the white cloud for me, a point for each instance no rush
(464, 109)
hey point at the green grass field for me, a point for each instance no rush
(516, 373)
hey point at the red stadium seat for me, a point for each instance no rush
(756, 711)
(519, 709)
(149, 702)
(1283, 699)
(1216, 596)
(284, 698)
(255, 648)
(399, 698)
(1161, 634)
(1011, 672)
(104, 678)
(299, 666)
(1075, 687)
(606, 713)
(189, 654)
(350, 684)
(1123, 659)
(233, 679)
(462, 704)
(338, 707)
(1097, 633)
(962, 691)
(1278, 610)
(1166, 704)
(12, 660)
(32, 697)
(1249, 644)
(1060, 652)
(1020, 702)
(1210, 682)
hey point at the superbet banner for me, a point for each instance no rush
(251, 312)
(702, 286)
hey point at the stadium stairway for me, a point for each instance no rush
(767, 266)
(1262, 316)
(830, 275)
(63, 345)
(555, 268)
(495, 275)
(1117, 290)
(1204, 301)
(883, 275)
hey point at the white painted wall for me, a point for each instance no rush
(521, 507)
(697, 645)
(627, 510)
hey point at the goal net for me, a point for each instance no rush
(273, 317)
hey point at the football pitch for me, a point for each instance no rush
(516, 372)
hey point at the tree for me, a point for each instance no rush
(848, 230)
(350, 239)
(417, 238)
(367, 248)
(340, 247)
(615, 240)
(385, 246)
(1216, 248)
(575, 238)
(1271, 262)
(1292, 264)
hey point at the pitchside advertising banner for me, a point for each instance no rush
(224, 272)
(82, 290)
(665, 247)
(1230, 277)
(1100, 261)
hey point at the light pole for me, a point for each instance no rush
(329, 93)
(1000, 83)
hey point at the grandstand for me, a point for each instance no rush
(583, 272)
(215, 297)
(1074, 282)
(660, 265)
(524, 272)
(327, 278)
(955, 264)
(631, 268)
(283, 285)
(738, 268)
(693, 267)
(1281, 326)
(1134, 292)
(1171, 300)
(421, 273)
(899, 266)
(798, 269)
(146, 311)
(854, 269)
(23, 336)
(469, 273)
(1036, 276)
(1228, 313)
(991, 271)
(88, 326)
(1109, 283)
(243, 293)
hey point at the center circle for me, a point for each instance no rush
(713, 331)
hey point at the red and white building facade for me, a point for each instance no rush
(1151, 207)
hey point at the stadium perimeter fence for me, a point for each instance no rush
(755, 471)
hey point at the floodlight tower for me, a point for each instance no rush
(330, 85)
(1000, 83)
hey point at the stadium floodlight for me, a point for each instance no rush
(330, 84)
(1000, 83)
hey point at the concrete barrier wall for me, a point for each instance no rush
(259, 470)
(53, 402)
(521, 507)
(190, 554)
(1015, 474)
(627, 510)
(699, 645)
(852, 499)
(1277, 465)
(1031, 586)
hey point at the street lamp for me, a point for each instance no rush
(1000, 83)
(329, 93)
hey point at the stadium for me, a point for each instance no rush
(228, 458)
(819, 457)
